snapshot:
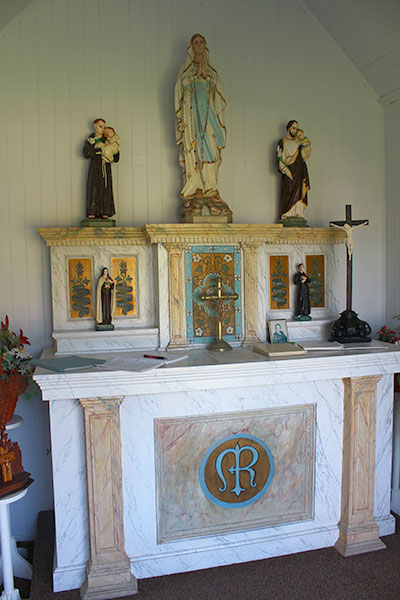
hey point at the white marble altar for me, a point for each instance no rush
(205, 384)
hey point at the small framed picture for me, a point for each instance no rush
(278, 333)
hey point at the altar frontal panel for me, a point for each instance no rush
(234, 472)
(203, 266)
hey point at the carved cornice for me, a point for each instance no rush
(309, 235)
(210, 233)
(213, 233)
(190, 233)
(94, 236)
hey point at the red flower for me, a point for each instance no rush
(23, 339)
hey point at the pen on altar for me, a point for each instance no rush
(151, 356)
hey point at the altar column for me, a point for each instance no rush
(177, 309)
(358, 530)
(250, 251)
(108, 573)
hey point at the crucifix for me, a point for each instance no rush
(219, 344)
(348, 226)
(349, 328)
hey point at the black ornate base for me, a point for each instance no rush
(294, 222)
(104, 327)
(349, 329)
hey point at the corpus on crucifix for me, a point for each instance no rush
(219, 344)
(349, 328)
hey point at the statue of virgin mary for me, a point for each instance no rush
(200, 129)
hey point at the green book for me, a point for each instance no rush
(67, 363)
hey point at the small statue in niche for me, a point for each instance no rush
(292, 152)
(105, 301)
(303, 305)
(200, 131)
(102, 148)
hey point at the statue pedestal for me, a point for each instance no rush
(207, 219)
(294, 222)
(98, 223)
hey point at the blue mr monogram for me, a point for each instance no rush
(237, 468)
(236, 471)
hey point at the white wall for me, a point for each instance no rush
(65, 62)
(392, 177)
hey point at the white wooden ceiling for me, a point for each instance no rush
(368, 31)
(10, 9)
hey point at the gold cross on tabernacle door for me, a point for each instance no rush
(219, 344)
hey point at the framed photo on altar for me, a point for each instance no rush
(278, 331)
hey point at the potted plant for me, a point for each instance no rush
(392, 336)
(15, 369)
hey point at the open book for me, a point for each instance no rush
(146, 362)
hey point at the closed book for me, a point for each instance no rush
(284, 349)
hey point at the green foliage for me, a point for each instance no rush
(14, 359)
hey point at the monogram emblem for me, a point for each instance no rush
(236, 471)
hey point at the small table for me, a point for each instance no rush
(21, 567)
(10, 592)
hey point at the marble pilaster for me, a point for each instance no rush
(176, 295)
(250, 252)
(358, 530)
(108, 572)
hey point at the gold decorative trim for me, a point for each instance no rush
(94, 236)
(190, 233)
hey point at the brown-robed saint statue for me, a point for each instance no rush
(292, 152)
(102, 149)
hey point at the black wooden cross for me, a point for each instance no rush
(348, 226)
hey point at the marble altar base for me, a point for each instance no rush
(234, 383)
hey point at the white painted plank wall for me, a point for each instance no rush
(65, 62)
(392, 172)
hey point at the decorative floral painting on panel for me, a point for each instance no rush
(279, 282)
(203, 266)
(80, 288)
(315, 269)
(124, 275)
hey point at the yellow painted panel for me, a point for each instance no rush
(80, 288)
(279, 282)
(315, 269)
(124, 275)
